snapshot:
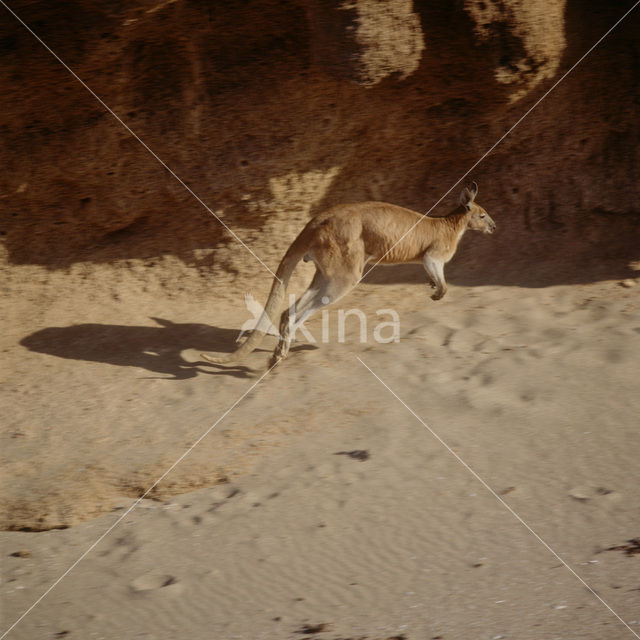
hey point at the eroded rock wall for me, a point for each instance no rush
(270, 110)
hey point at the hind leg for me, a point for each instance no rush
(289, 316)
(293, 313)
(322, 292)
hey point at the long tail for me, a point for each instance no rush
(271, 308)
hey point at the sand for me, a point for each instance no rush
(321, 506)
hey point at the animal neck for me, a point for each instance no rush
(456, 221)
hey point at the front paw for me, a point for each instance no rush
(438, 295)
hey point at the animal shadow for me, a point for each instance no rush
(157, 349)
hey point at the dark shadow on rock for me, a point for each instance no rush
(157, 349)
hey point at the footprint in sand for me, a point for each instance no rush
(157, 581)
(585, 493)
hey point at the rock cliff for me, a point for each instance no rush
(271, 110)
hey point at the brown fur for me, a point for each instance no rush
(343, 239)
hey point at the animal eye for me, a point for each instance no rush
(482, 215)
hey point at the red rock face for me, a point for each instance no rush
(366, 42)
(270, 111)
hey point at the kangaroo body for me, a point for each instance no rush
(343, 239)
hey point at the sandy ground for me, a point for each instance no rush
(321, 506)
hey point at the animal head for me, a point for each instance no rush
(479, 219)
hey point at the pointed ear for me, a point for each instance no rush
(474, 190)
(466, 198)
